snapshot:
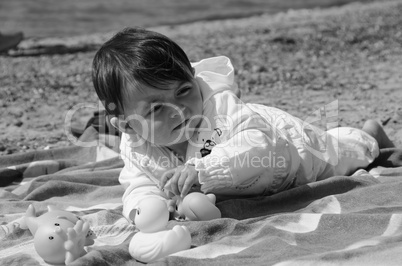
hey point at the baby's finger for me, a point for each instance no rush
(181, 181)
(165, 178)
(174, 183)
(171, 205)
(189, 182)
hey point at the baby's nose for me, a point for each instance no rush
(177, 112)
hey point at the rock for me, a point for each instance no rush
(284, 40)
(397, 138)
(384, 120)
(3, 103)
(366, 87)
(18, 123)
(256, 69)
(10, 151)
(16, 112)
(397, 117)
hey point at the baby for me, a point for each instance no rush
(183, 128)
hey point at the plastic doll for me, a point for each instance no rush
(59, 236)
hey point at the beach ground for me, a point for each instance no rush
(304, 62)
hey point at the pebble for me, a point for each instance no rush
(18, 123)
(256, 69)
(397, 117)
(397, 138)
(384, 120)
(10, 151)
(16, 112)
(3, 103)
(366, 87)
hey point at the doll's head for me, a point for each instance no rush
(151, 215)
(198, 207)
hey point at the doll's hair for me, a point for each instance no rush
(137, 56)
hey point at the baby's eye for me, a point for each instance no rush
(155, 108)
(138, 211)
(183, 91)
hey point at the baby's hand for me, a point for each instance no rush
(181, 179)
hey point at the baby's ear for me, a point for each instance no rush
(121, 125)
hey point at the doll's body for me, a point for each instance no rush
(154, 241)
(59, 236)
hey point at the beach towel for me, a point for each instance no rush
(343, 220)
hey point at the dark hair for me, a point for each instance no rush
(139, 56)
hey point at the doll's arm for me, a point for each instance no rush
(76, 241)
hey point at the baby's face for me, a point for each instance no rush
(164, 116)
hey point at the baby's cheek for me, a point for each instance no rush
(157, 133)
(141, 127)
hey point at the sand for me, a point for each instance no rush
(302, 61)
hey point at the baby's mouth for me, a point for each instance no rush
(181, 125)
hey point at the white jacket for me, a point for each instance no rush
(243, 149)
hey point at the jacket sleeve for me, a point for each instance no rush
(137, 184)
(252, 158)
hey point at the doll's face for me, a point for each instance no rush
(151, 215)
(51, 235)
(49, 243)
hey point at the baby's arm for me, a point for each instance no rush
(251, 162)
